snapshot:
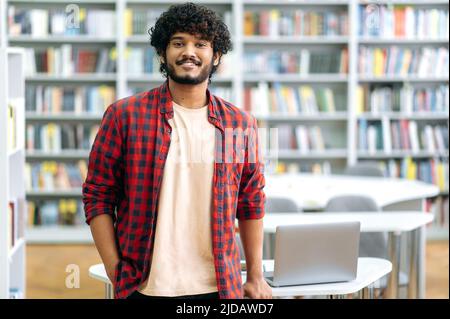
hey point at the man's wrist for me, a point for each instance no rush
(254, 274)
(111, 265)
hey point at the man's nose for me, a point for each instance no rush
(189, 52)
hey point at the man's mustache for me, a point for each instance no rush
(188, 60)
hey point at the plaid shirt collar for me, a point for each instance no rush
(166, 106)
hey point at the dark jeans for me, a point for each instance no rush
(138, 295)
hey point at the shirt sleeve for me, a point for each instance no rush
(103, 185)
(251, 198)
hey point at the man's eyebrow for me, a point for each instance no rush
(177, 38)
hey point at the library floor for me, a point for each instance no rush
(46, 273)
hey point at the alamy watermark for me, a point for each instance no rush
(73, 278)
(72, 16)
(372, 19)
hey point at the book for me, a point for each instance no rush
(274, 98)
(396, 61)
(67, 212)
(298, 22)
(54, 138)
(99, 23)
(67, 60)
(403, 21)
(51, 99)
(294, 62)
(51, 175)
(11, 123)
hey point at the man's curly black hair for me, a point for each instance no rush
(193, 19)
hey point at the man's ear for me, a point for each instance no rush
(216, 59)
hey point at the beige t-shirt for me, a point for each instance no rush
(183, 262)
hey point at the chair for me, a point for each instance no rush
(281, 204)
(241, 248)
(277, 205)
(364, 169)
(273, 205)
(371, 244)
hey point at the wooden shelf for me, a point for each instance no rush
(63, 155)
(297, 78)
(55, 194)
(401, 154)
(409, 78)
(420, 41)
(418, 116)
(321, 116)
(52, 39)
(80, 78)
(295, 154)
(295, 40)
(63, 117)
(58, 235)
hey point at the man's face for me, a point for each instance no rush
(189, 59)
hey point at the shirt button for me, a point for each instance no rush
(168, 131)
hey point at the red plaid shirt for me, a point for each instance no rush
(126, 166)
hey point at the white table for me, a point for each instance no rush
(394, 223)
(369, 271)
(312, 192)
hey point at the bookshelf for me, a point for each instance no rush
(135, 70)
(12, 188)
(420, 42)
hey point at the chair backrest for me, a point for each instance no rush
(281, 204)
(241, 248)
(371, 244)
(351, 203)
(276, 205)
(364, 169)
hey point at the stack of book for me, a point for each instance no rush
(433, 171)
(51, 176)
(390, 21)
(301, 61)
(97, 23)
(319, 168)
(281, 99)
(44, 99)
(404, 135)
(138, 22)
(298, 22)
(301, 138)
(67, 60)
(60, 212)
(402, 98)
(54, 137)
(393, 60)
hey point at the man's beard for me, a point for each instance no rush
(188, 79)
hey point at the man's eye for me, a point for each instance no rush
(201, 44)
(177, 44)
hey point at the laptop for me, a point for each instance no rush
(315, 253)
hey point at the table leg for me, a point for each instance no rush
(109, 291)
(337, 297)
(421, 278)
(394, 256)
(367, 293)
(413, 264)
(418, 205)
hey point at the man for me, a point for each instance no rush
(162, 159)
